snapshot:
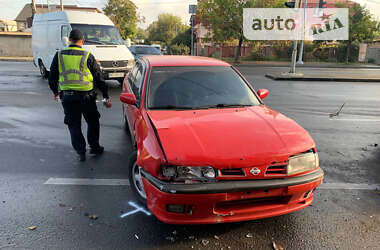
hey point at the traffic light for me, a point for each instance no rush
(290, 4)
(322, 4)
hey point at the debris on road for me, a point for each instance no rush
(174, 232)
(277, 246)
(93, 217)
(191, 237)
(249, 235)
(32, 227)
(216, 237)
(205, 242)
(137, 237)
(86, 214)
(62, 205)
(338, 112)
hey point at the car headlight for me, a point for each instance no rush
(183, 173)
(131, 63)
(302, 163)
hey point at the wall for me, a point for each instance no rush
(14, 44)
(373, 52)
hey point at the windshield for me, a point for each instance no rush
(197, 88)
(99, 34)
(145, 50)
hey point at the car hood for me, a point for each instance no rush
(109, 52)
(227, 138)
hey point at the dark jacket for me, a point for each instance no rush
(92, 66)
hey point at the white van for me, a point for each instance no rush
(50, 33)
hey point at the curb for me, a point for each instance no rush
(320, 79)
(11, 59)
(308, 66)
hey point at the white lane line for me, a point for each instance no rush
(349, 186)
(355, 120)
(125, 182)
(87, 182)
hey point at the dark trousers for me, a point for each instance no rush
(74, 107)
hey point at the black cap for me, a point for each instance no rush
(76, 35)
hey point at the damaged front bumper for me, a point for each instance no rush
(229, 201)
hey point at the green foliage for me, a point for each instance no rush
(166, 28)
(353, 55)
(184, 38)
(179, 49)
(141, 34)
(224, 18)
(371, 60)
(124, 14)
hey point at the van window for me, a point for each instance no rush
(64, 32)
(99, 34)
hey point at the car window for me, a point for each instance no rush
(136, 79)
(197, 87)
(64, 32)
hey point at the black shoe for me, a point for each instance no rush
(97, 151)
(82, 157)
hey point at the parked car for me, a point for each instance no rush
(207, 149)
(144, 50)
(51, 31)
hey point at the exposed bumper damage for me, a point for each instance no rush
(229, 201)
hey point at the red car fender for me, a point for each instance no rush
(149, 151)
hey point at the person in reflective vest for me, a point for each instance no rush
(73, 74)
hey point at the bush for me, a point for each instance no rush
(179, 49)
(371, 60)
(354, 53)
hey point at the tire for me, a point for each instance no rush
(43, 71)
(135, 179)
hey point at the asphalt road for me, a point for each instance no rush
(35, 146)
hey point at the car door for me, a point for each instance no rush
(135, 81)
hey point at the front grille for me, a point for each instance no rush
(243, 205)
(276, 170)
(114, 64)
(232, 172)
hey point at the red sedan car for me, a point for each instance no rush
(207, 149)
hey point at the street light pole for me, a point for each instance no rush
(295, 45)
(34, 8)
(192, 35)
(300, 56)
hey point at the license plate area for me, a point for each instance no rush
(116, 75)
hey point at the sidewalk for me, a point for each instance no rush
(16, 59)
(307, 65)
(341, 75)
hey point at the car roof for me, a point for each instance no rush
(171, 61)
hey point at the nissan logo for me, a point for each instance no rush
(115, 63)
(255, 171)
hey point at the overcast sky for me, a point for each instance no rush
(150, 9)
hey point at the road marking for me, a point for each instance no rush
(349, 186)
(138, 209)
(355, 120)
(87, 182)
(125, 182)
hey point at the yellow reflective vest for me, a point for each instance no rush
(74, 73)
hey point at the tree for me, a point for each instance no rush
(165, 28)
(183, 38)
(362, 26)
(124, 14)
(141, 34)
(224, 18)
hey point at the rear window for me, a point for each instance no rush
(197, 87)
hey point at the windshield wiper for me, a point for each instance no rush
(222, 105)
(172, 107)
(97, 42)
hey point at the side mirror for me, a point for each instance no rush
(128, 98)
(65, 41)
(262, 93)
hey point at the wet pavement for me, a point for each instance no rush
(35, 147)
